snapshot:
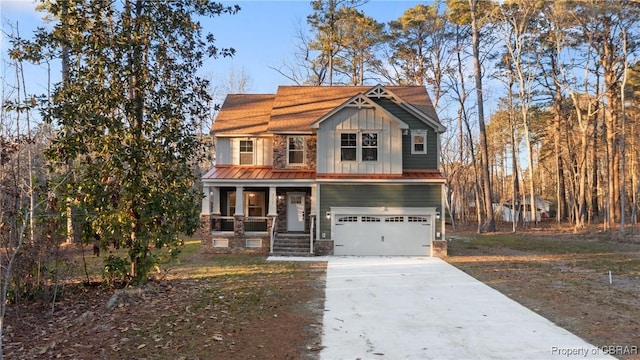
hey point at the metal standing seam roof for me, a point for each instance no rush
(268, 173)
(256, 173)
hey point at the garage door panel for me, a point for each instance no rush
(382, 234)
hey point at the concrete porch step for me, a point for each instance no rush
(291, 245)
(293, 254)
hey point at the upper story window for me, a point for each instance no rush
(419, 142)
(363, 147)
(369, 146)
(246, 152)
(348, 146)
(295, 150)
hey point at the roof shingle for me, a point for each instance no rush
(244, 114)
(295, 108)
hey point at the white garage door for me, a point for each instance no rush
(382, 234)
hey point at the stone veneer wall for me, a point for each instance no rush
(205, 225)
(236, 243)
(280, 153)
(439, 248)
(323, 247)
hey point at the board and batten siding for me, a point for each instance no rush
(228, 151)
(414, 161)
(376, 195)
(351, 119)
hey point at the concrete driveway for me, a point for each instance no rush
(424, 308)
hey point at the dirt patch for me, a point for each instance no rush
(563, 277)
(209, 307)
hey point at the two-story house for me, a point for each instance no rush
(343, 170)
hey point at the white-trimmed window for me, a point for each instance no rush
(295, 150)
(348, 146)
(361, 146)
(418, 141)
(246, 152)
(369, 146)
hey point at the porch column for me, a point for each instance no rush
(273, 206)
(215, 212)
(314, 197)
(239, 201)
(216, 200)
(238, 217)
(206, 202)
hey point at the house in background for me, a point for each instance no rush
(343, 170)
(522, 210)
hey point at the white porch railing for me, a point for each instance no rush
(221, 223)
(255, 223)
(272, 235)
(251, 223)
(312, 231)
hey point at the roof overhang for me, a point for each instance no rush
(423, 117)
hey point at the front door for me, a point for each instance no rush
(295, 211)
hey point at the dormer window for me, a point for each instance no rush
(246, 152)
(419, 142)
(295, 150)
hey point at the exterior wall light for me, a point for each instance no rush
(328, 214)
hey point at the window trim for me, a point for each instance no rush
(304, 151)
(359, 145)
(253, 151)
(423, 134)
(355, 147)
(376, 147)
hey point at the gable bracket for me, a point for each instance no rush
(360, 102)
(380, 92)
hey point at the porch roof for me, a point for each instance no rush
(256, 173)
(268, 173)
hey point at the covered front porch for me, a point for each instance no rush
(250, 217)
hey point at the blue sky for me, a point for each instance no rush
(263, 34)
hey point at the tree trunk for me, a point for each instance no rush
(489, 224)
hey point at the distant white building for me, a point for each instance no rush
(508, 213)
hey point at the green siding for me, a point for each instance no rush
(420, 161)
(376, 195)
(414, 161)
